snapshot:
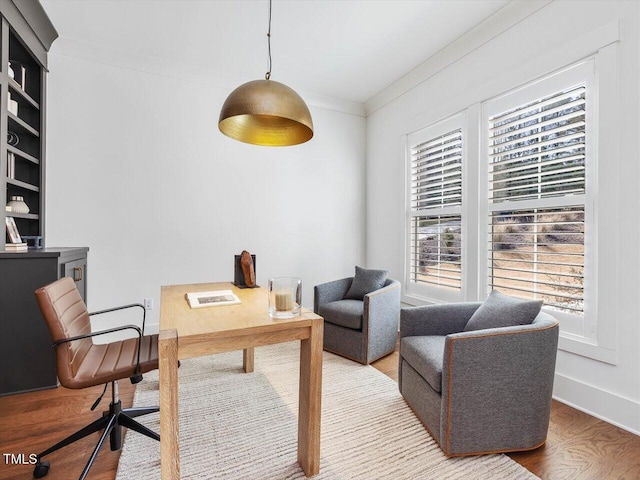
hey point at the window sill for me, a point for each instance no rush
(571, 344)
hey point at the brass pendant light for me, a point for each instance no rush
(266, 112)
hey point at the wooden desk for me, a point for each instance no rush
(186, 333)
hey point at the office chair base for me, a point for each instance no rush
(41, 470)
(111, 422)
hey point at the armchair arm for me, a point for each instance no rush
(390, 286)
(330, 292)
(501, 377)
(381, 315)
(383, 305)
(436, 319)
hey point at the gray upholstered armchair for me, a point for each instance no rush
(479, 391)
(362, 330)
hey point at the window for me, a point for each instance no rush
(536, 199)
(435, 209)
(505, 196)
(534, 171)
(537, 139)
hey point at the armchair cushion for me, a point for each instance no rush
(500, 310)
(425, 355)
(346, 313)
(366, 281)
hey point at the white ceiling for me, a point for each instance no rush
(345, 49)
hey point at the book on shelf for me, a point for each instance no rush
(211, 299)
(13, 236)
(11, 165)
(16, 247)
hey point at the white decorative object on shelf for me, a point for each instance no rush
(18, 72)
(17, 204)
(13, 106)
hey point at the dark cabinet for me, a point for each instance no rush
(27, 360)
(77, 269)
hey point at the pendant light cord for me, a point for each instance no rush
(268, 74)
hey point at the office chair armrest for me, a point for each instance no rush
(112, 330)
(123, 307)
(103, 332)
(115, 309)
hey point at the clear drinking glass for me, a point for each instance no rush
(285, 297)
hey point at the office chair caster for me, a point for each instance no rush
(41, 469)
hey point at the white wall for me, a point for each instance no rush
(138, 172)
(486, 67)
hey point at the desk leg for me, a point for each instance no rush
(169, 439)
(309, 408)
(247, 360)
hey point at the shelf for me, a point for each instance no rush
(15, 87)
(22, 125)
(28, 216)
(23, 155)
(21, 184)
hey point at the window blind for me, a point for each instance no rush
(538, 150)
(435, 254)
(436, 172)
(536, 187)
(436, 211)
(539, 253)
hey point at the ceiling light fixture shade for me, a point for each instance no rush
(266, 112)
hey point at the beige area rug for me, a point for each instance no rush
(244, 426)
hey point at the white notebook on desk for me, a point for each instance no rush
(211, 299)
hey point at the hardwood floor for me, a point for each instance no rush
(579, 447)
(32, 422)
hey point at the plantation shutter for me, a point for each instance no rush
(436, 172)
(537, 186)
(435, 204)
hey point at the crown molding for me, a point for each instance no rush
(493, 26)
(32, 25)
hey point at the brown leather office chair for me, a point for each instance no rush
(82, 363)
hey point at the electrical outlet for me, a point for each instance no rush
(148, 303)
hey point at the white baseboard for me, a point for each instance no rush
(610, 407)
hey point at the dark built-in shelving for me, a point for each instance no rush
(27, 360)
(25, 37)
